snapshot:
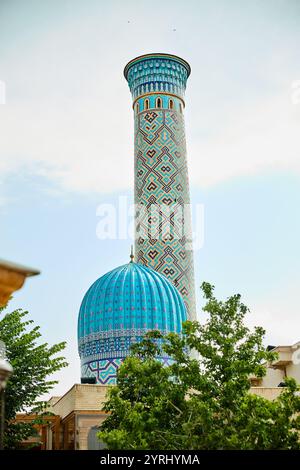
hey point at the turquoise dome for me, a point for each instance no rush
(117, 310)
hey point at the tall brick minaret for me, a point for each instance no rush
(163, 229)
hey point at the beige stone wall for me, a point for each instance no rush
(84, 424)
(65, 405)
(267, 392)
(90, 397)
(293, 370)
(80, 397)
(51, 402)
(272, 378)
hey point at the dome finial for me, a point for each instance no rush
(131, 254)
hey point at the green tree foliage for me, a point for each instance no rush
(203, 400)
(33, 362)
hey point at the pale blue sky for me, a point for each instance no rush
(66, 146)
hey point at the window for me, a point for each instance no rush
(171, 104)
(146, 104)
(158, 102)
(180, 108)
(137, 108)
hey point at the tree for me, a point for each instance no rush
(202, 400)
(33, 362)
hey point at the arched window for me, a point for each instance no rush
(137, 108)
(180, 108)
(171, 104)
(146, 104)
(158, 102)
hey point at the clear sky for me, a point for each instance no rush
(66, 146)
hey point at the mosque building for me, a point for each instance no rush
(156, 292)
(117, 310)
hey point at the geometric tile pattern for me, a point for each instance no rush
(117, 310)
(163, 225)
(157, 72)
(106, 370)
(163, 220)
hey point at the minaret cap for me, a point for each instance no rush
(159, 56)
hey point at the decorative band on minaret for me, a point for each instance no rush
(163, 225)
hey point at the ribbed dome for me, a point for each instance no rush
(117, 310)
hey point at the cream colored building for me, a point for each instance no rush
(80, 412)
(72, 421)
(287, 364)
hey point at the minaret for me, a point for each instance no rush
(163, 228)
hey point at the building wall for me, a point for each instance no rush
(80, 397)
(90, 397)
(270, 393)
(287, 364)
(79, 410)
(293, 370)
(272, 378)
(84, 424)
(65, 405)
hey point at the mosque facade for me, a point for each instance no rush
(156, 292)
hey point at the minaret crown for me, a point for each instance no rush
(157, 73)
